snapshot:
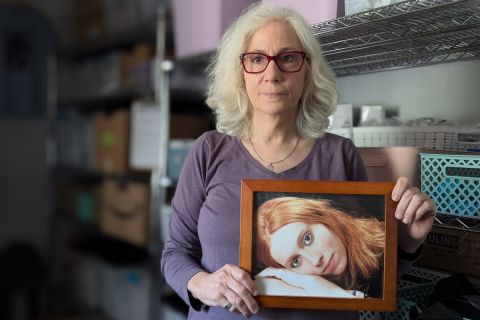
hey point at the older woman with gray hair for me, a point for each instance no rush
(271, 92)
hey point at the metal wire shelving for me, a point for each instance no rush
(457, 222)
(406, 34)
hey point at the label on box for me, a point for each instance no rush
(452, 250)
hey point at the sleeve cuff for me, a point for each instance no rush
(196, 304)
(410, 256)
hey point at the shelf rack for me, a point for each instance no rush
(457, 222)
(406, 34)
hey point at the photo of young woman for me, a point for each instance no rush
(307, 247)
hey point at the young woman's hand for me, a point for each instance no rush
(312, 284)
(229, 283)
(415, 211)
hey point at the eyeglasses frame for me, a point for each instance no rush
(273, 58)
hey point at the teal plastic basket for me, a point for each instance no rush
(453, 182)
(412, 290)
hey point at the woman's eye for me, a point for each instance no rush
(307, 239)
(257, 59)
(295, 262)
(287, 58)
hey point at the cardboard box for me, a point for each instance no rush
(124, 211)
(390, 163)
(111, 139)
(137, 66)
(89, 20)
(199, 25)
(452, 250)
(189, 126)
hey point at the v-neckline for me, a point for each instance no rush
(273, 173)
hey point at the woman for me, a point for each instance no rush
(271, 92)
(301, 240)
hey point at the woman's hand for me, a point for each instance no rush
(312, 284)
(229, 283)
(416, 212)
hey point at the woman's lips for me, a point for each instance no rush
(273, 94)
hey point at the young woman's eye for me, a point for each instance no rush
(307, 239)
(295, 262)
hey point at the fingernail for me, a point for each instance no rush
(397, 215)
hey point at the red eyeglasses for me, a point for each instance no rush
(290, 61)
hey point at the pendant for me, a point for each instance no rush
(270, 167)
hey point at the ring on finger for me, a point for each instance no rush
(227, 305)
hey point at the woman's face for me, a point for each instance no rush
(309, 249)
(274, 91)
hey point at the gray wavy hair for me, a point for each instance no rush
(227, 95)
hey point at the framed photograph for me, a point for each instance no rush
(320, 244)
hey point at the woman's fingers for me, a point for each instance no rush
(410, 200)
(400, 187)
(416, 211)
(241, 299)
(242, 289)
(228, 285)
(244, 279)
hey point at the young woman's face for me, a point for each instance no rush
(309, 249)
(274, 91)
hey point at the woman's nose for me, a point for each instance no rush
(272, 73)
(313, 258)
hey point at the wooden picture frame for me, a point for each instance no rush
(364, 200)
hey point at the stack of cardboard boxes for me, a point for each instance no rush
(120, 206)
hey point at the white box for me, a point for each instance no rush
(342, 117)
(145, 135)
(372, 116)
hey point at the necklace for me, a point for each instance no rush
(270, 164)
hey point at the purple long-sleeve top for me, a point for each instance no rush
(205, 223)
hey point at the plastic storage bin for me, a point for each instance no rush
(453, 182)
(412, 289)
(177, 152)
(432, 137)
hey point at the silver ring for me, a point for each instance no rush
(227, 305)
